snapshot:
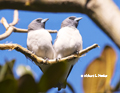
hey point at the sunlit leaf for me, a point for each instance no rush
(21, 70)
(27, 84)
(52, 76)
(8, 85)
(104, 65)
(95, 83)
(110, 57)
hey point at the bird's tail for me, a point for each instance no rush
(60, 86)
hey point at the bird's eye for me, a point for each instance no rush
(38, 20)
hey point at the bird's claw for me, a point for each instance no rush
(76, 52)
(57, 59)
(46, 60)
(61, 85)
(33, 52)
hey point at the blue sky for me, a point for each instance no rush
(90, 34)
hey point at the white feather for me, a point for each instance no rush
(39, 41)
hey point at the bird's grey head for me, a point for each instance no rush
(71, 22)
(37, 24)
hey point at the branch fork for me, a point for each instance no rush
(10, 27)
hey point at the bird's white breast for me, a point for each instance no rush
(68, 41)
(39, 42)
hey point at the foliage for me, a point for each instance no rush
(26, 83)
(103, 65)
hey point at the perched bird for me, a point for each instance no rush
(39, 40)
(68, 41)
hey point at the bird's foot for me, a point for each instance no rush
(61, 85)
(57, 59)
(46, 60)
(33, 52)
(76, 52)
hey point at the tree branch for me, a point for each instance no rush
(39, 60)
(44, 5)
(15, 18)
(25, 30)
(10, 27)
(7, 33)
(107, 19)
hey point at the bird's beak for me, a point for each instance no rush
(44, 20)
(78, 19)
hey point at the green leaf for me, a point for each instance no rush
(0, 67)
(6, 70)
(8, 85)
(52, 76)
(27, 84)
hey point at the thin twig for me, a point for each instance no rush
(5, 23)
(25, 30)
(39, 60)
(20, 30)
(7, 33)
(10, 27)
(15, 18)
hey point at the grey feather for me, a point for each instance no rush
(71, 22)
(36, 24)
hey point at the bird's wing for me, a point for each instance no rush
(69, 72)
(55, 39)
(40, 68)
(27, 47)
